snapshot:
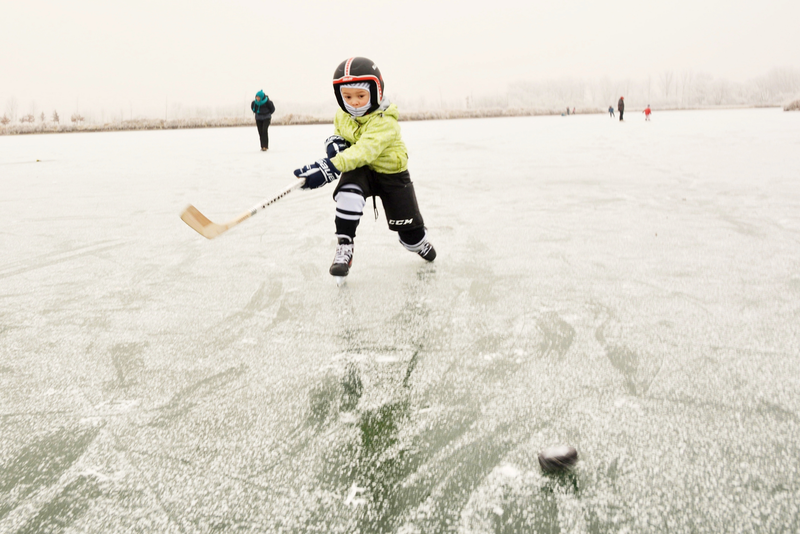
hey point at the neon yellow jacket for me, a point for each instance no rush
(375, 140)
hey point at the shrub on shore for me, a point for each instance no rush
(78, 124)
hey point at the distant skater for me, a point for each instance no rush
(621, 107)
(567, 110)
(611, 111)
(263, 108)
(647, 112)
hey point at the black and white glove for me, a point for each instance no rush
(335, 144)
(318, 173)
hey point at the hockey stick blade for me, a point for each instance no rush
(209, 229)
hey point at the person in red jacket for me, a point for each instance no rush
(647, 112)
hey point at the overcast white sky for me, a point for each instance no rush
(140, 54)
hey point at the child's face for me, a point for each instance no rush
(358, 98)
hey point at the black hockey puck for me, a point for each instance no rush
(558, 458)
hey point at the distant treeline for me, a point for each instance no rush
(146, 124)
(226, 122)
(159, 124)
(669, 90)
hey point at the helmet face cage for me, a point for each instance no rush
(355, 70)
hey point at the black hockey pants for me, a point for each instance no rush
(396, 192)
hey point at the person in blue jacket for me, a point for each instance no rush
(263, 107)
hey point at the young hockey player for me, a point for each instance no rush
(647, 112)
(367, 152)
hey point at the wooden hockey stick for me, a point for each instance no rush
(208, 229)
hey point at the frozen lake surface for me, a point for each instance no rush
(631, 289)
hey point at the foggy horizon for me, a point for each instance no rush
(148, 59)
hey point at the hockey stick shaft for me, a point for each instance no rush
(296, 184)
(208, 229)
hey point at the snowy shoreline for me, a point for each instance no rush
(292, 119)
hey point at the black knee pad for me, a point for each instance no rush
(400, 206)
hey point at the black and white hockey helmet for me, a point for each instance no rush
(359, 70)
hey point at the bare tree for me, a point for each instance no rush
(76, 118)
(42, 117)
(719, 90)
(666, 82)
(27, 118)
(12, 106)
(55, 116)
(608, 92)
(702, 92)
(687, 87)
(776, 86)
(5, 120)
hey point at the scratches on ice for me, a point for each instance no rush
(46, 260)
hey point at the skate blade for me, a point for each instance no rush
(340, 280)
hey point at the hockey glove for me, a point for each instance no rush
(318, 173)
(335, 144)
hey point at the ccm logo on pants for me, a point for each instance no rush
(400, 222)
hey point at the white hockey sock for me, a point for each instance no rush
(417, 247)
(350, 202)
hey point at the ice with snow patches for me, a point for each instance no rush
(628, 290)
